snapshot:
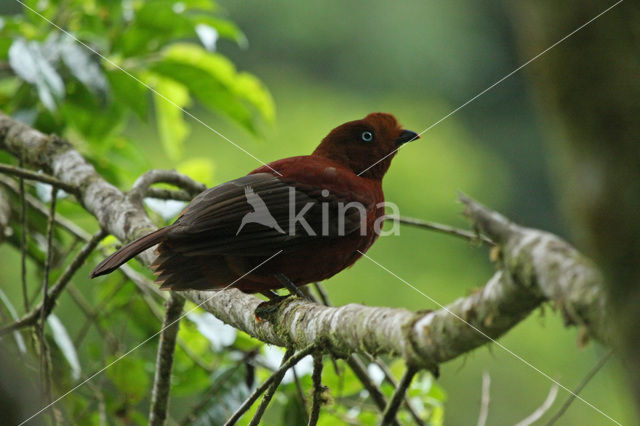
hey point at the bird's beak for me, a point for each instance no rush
(406, 136)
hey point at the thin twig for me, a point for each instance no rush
(214, 389)
(318, 390)
(23, 254)
(485, 400)
(102, 406)
(92, 319)
(143, 184)
(580, 386)
(444, 229)
(322, 293)
(362, 374)
(390, 412)
(45, 379)
(389, 378)
(39, 177)
(271, 391)
(92, 313)
(169, 194)
(265, 385)
(53, 294)
(157, 312)
(359, 369)
(164, 360)
(539, 412)
(300, 392)
(35, 204)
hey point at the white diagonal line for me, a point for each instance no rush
(498, 82)
(148, 87)
(486, 336)
(144, 341)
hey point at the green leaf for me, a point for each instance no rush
(294, 412)
(129, 376)
(65, 344)
(199, 169)
(94, 120)
(169, 101)
(5, 44)
(226, 29)
(14, 315)
(228, 391)
(83, 66)
(219, 334)
(249, 87)
(128, 91)
(157, 23)
(199, 4)
(244, 342)
(213, 80)
(343, 383)
(28, 61)
(208, 36)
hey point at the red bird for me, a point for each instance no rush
(310, 216)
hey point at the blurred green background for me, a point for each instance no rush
(330, 62)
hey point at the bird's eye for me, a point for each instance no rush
(367, 136)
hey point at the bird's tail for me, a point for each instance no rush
(127, 252)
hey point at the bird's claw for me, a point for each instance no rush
(265, 309)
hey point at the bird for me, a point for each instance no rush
(327, 205)
(260, 214)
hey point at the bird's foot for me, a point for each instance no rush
(267, 309)
(290, 285)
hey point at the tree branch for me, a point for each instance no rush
(539, 412)
(45, 364)
(549, 266)
(5, 214)
(164, 361)
(443, 229)
(271, 391)
(485, 400)
(534, 267)
(23, 241)
(389, 414)
(52, 295)
(580, 386)
(142, 186)
(318, 389)
(292, 361)
(38, 177)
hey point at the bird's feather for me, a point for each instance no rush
(210, 223)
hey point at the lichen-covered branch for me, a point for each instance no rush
(533, 267)
(551, 267)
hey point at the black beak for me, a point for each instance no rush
(406, 136)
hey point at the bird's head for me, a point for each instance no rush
(366, 146)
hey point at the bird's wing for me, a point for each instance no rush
(210, 223)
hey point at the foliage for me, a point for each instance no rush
(138, 63)
(133, 60)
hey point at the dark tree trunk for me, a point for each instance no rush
(588, 91)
